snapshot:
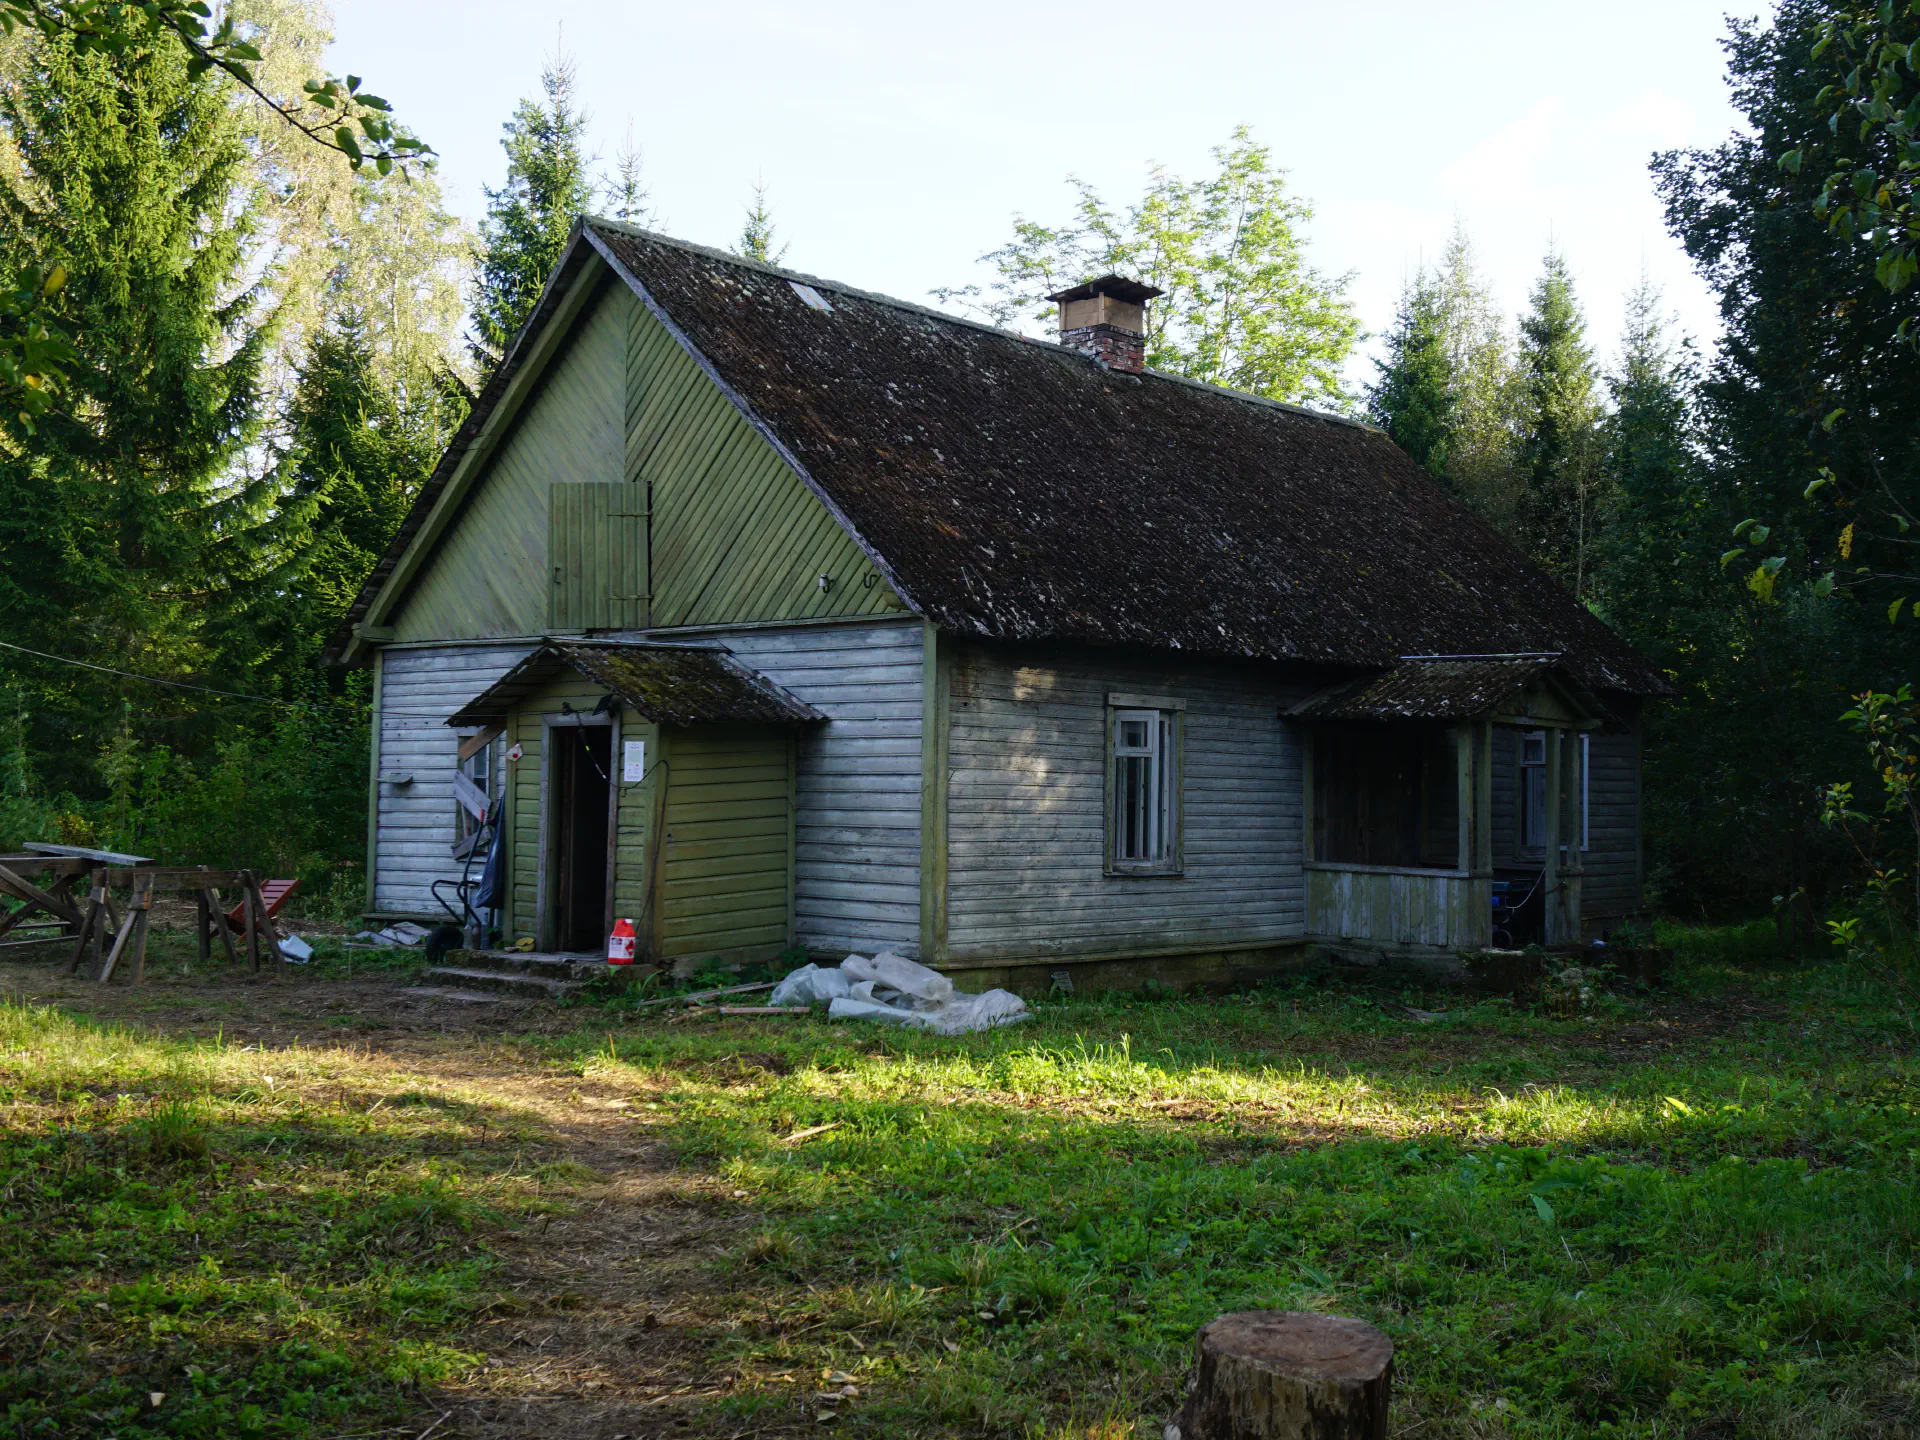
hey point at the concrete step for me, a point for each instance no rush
(529, 962)
(498, 982)
(463, 997)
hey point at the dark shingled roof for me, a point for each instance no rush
(1441, 688)
(668, 684)
(1017, 489)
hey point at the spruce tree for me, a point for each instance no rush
(1558, 506)
(756, 234)
(626, 193)
(130, 530)
(1413, 398)
(1480, 453)
(360, 449)
(529, 218)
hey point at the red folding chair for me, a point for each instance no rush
(274, 892)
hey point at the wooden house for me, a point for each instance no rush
(777, 614)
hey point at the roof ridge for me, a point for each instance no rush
(819, 282)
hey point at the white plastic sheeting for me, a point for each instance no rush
(896, 991)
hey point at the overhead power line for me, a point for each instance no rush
(204, 689)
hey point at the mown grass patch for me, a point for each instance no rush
(207, 1241)
(1670, 1220)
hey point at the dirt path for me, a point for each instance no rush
(613, 1317)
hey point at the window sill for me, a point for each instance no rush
(1149, 872)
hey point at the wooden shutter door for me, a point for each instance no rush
(597, 548)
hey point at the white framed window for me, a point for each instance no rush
(1532, 796)
(1143, 787)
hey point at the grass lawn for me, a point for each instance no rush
(307, 1207)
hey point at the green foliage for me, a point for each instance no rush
(1761, 502)
(1869, 52)
(756, 240)
(1562, 500)
(331, 111)
(360, 446)
(625, 191)
(1242, 307)
(34, 347)
(192, 508)
(285, 798)
(1812, 401)
(529, 218)
(131, 530)
(1414, 398)
(1878, 930)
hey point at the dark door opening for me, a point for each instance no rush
(582, 761)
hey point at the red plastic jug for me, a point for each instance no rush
(620, 943)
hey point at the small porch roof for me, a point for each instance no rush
(1452, 687)
(668, 684)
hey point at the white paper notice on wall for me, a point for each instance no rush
(633, 766)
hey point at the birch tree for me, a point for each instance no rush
(1244, 306)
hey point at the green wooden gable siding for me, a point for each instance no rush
(490, 574)
(727, 890)
(736, 535)
(597, 538)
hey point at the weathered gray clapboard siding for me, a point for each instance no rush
(1026, 833)
(857, 784)
(1506, 795)
(1612, 883)
(1442, 911)
(419, 688)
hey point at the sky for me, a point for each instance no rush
(897, 140)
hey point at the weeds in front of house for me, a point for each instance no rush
(1645, 1221)
(208, 1241)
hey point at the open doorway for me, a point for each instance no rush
(582, 767)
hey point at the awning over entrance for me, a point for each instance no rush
(668, 684)
(1458, 687)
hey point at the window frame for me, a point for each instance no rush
(483, 769)
(1522, 805)
(1169, 714)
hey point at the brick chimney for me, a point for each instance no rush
(1107, 319)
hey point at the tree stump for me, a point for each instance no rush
(1287, 1375)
